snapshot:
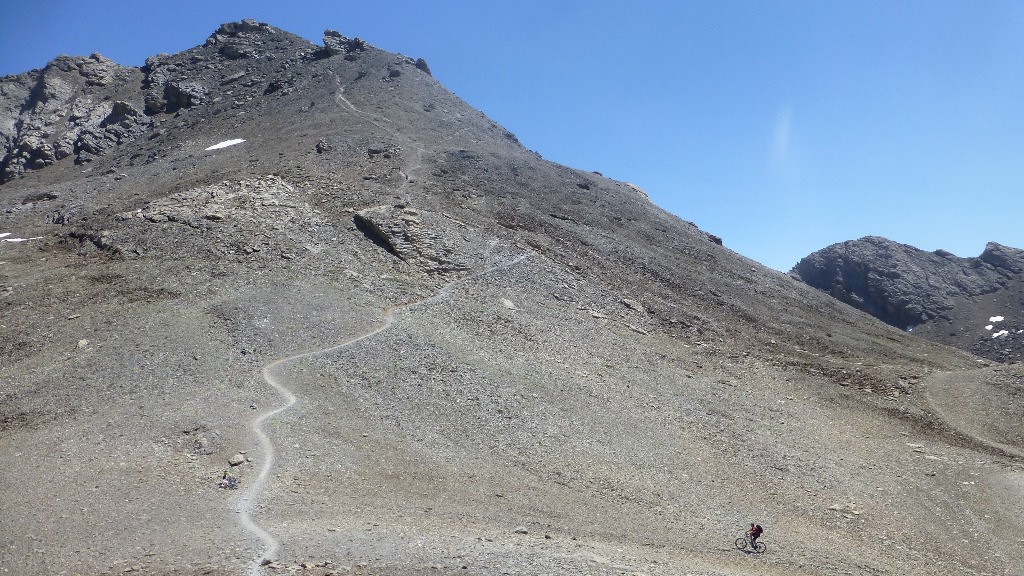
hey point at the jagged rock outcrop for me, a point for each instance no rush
(75, 106)
(337, 45)
(236, 40)
(427, 241)
(81, 107)
(936, 294)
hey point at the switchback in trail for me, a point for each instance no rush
(271, 544)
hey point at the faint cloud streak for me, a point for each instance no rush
(781, 152)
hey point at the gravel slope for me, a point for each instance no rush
(624, 399)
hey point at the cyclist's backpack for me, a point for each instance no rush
(759, 529)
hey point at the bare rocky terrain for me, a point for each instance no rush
(971, 303)
(499, 365)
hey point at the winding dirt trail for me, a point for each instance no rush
(247, 499)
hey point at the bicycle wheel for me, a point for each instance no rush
(741, 543)
(760, 548)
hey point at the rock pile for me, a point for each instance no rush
(337, 45)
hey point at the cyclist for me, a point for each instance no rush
(755, 533)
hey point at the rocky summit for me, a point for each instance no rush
(972, 303)
(275, 307)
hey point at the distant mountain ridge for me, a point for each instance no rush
(972, 303)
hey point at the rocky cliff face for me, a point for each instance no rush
(971, 303)
(74, 108)
(80, 107)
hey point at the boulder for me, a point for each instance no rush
(122, 114)
(634, 305)
(184, 94)
(422, 239)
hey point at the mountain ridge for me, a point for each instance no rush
(952, 300)
(625, 398)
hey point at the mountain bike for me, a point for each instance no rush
(744, 543)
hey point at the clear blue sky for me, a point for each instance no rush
(782, 127)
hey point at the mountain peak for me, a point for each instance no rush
(935, 294)
(241, 29)
(314, 274)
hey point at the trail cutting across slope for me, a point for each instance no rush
(247, 499)
(983, 412)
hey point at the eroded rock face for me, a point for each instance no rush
(424, 240)
(337, 45)
(74, 107)
(81, 107)
(232, 217)
(937, 294)
(238, 40)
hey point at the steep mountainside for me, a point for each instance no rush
(971, 303)
(373, 333)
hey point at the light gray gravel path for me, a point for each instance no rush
(247, 499)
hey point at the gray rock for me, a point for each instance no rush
(229, 32)
(97, 70)
(936, 294)
(406, 233)
(634, 305)
(184, 94)
(237, 50)
(902, 285)
(155, 103)
(121, 113)
(64, 110)
(337, 45)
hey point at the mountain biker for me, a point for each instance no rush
(755, 533)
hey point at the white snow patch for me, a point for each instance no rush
(996, 319)
(989, 327)
(226, 143)
(1000, 333)
(4, 238)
